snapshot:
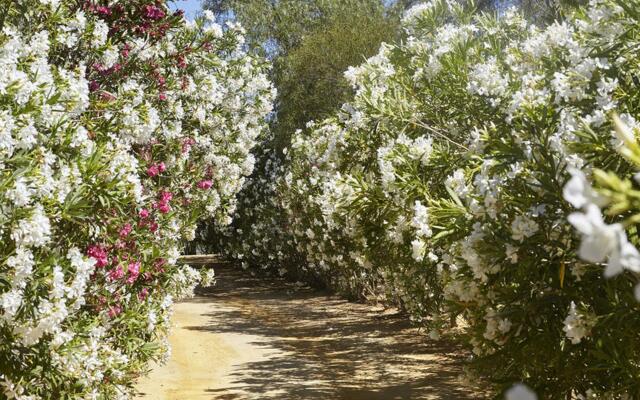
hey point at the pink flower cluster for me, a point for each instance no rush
(134, 271)
(104, 71)
(126, 230)
(205, 184)
(187, 143)
(159, 265)
(144, 215)
(103, 10)
(153, 12)
(125, 50)
(143, 294)
(114, 311)
(116, 273)
(156, 169)
(98, 253)
(162, 204)
(182, 62)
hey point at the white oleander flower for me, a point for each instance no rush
(34, 231)
(523, 227)
(578, 191)
(100, 32)
(418, 248)
(601, 241)
(21, 193)
(420, 220)
(576, 325)
(520, 392)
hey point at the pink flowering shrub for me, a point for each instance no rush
(114, 116)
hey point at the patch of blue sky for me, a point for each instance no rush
(191, 7)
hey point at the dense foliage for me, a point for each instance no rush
(121, 125)
(448, 187)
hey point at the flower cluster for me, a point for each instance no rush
(112, 115)
(448, 186)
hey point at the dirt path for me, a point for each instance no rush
(249, 338)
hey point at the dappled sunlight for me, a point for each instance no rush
(306, 344)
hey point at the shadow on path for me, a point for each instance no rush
(326, 347)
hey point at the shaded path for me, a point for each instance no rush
(251, 338)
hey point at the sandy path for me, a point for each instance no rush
(249, 338)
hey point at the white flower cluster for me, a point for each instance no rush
(600, 241)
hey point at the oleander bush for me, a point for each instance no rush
(121, 126)
(450, 186)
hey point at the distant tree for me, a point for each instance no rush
(311, 78)
(281, 24)
(311, 44)
(546, 11)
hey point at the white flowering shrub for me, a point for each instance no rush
(121, 126)
(449, 186)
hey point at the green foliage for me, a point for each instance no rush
(278, 26)
(311, 82)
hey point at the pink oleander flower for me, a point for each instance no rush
(159, 265)
(153, 227)
(143, 294)
(182, 62)
(104, 11)
(166, 196)
(114, 311)
(116, 273)
(102, 301)
(162, 97)
(125, 51)
(187, 143)
(126, 230)
(205, 184)
(153, 170)
(98, 253)
(162, 205)
(144, 213)
(153, 12)
(107, 96)
(134, 270)
(162, 167)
